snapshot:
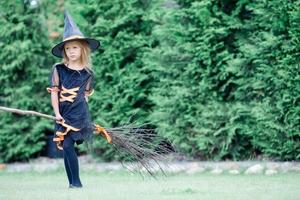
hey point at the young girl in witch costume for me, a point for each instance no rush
(71, 84)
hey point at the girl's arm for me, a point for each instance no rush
(54, 101)
(54, 93)
(89, 88)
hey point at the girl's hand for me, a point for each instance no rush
(59, 118)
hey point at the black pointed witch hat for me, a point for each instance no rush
(72, 32)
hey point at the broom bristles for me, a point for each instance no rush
(142, 146)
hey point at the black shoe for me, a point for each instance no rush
(75, 186)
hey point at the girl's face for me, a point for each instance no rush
(73, 50)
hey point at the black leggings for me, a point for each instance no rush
(71, 161)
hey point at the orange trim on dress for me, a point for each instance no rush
(60, 135)
(89, 93)
(71, 91)
(53, 89)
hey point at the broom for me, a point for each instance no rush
(139, 144)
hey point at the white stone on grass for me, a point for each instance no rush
(195, 170)
(271, 172)
(234, 171)
(45, 167)
(19, 168)
(216, 171)
(255, 169)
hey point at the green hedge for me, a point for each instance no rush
(229, 77)
(24, 74)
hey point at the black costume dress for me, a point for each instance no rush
(72, 86)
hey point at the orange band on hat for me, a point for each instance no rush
(73, 37)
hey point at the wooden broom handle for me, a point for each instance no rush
(27, 112)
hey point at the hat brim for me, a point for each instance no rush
(57, 50)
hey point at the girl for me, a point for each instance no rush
(71, 84)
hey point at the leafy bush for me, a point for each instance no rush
(228, 72)
(23, 77)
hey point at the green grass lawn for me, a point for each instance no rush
(123, 186)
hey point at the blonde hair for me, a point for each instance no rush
(85, 58)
